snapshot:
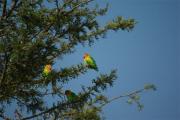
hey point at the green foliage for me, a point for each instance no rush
(135, 98)
(150, 87)
(34, 33)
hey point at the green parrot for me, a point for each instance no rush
(90, 62)
(71, 96)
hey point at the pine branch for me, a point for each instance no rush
(5, 63)
(4, 70)
(59, 107)
(107, 80)
(65, 74)
(81, 3)
(20, 101)
(60, 10)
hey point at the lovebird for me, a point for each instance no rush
(47, 70)
(90, 62)
(71, 96)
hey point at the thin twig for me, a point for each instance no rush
(13, 5)
(122, 96)
(4, 2)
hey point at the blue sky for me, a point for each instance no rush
(148, 54)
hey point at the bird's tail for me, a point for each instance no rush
(96, 68)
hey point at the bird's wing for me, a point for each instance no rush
(92, 61)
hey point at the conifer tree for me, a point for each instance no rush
(33, 34)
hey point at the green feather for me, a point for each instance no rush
(45, 74)
(92, 64)
(72, 97)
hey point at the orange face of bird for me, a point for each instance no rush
(85, 55)
(48, 67)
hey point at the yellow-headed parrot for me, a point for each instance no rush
(90, 62)
(47, 70)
